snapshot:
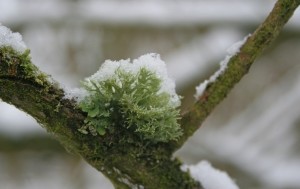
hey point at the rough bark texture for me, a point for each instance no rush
(128, 162)
(123, 157)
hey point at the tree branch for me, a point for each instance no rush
(238, 66)
(127, 160)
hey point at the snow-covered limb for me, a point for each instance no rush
(14, 40)
(233, 50)
(238, 66)
(210, 177)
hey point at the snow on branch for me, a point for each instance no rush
(233, 50)
(14, 40)
(238, 66)
(210, 177)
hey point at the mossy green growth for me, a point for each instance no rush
(132, 101)
(20, 65)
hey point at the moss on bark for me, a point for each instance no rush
(126, 159)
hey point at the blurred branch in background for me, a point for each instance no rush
(238, 66)
(33, 143)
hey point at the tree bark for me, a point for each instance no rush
(129, 162)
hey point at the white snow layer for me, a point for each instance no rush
(14, 40)
(233, 50)
(209, 177)
(77, 94)
(151, 62)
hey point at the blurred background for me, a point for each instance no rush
(253, 134)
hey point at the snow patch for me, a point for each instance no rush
(14, 40)
(77, 94)
(233, 50)
(209, 177)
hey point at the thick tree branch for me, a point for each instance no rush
(124, 158)
(238, 66)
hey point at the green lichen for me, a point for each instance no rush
(131, 101)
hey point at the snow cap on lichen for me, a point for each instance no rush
(14, 40)
(151, 62)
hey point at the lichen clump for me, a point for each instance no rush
(137, 96)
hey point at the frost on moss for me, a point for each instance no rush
(135, 96)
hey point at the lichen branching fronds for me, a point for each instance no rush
(133, 96)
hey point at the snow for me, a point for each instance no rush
(151, 62)
(192, 59)
(14, 40)
(154, 63)
(233, 50)
(209, 177)
(77, 94)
